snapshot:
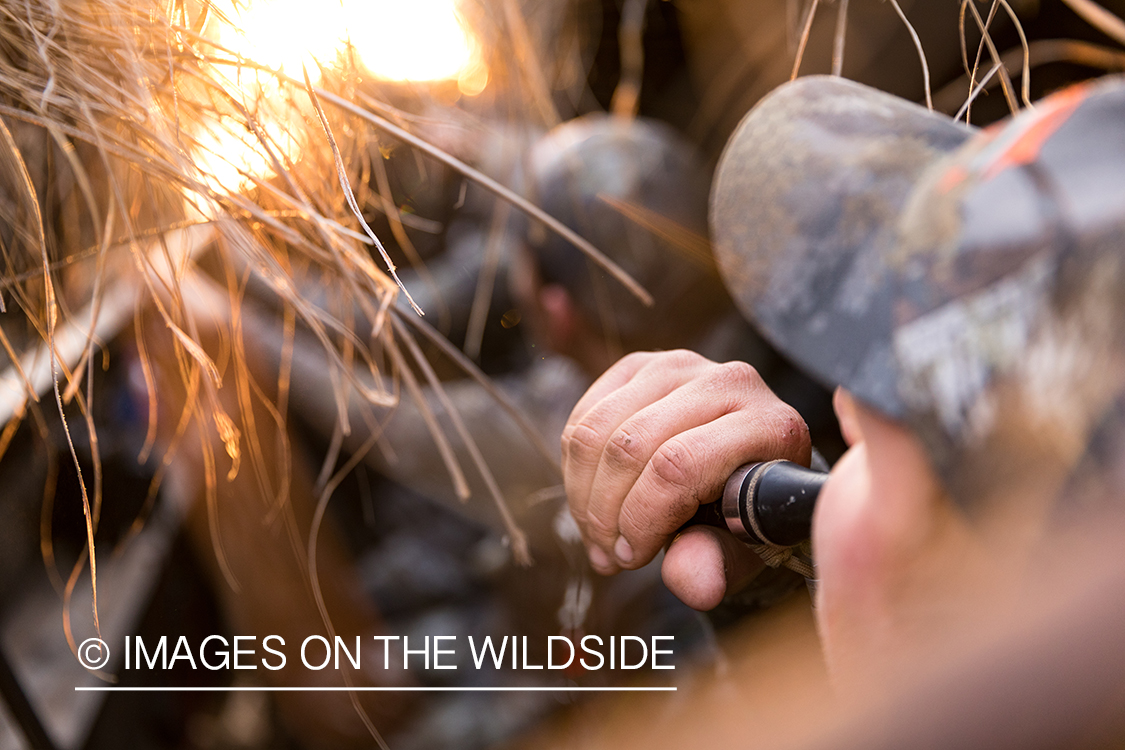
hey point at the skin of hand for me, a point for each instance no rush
(654, 437)
(658, 434)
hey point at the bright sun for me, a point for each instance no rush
(395, 40)
(398, 40)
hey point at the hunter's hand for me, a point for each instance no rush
(654, 437)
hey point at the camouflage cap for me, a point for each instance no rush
(970, 284)
(804, 198)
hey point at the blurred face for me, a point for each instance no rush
(555, 320)
(890, 547)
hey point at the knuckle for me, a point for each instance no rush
(681, 359)
(784, 433)
(568, 436)
(777, 431)
(626, 450)
(739, 375)
(634, 359)
(648, 526)
(580, 443)
(674, 466)
(795, 436)
(599, 528)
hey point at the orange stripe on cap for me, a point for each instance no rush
(1049, 117)
(952, 177)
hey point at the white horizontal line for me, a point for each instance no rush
(334, 689)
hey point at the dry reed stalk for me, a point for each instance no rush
(986, 41)
(131, 112)
(627, 95)
(1039, 52)
(531, 67)
(840, 38)
(921, 53)
(1100, 18)
(116, 118)
(806, 29)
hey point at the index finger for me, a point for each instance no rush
(585, 438)
(618, 375)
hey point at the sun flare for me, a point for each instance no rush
(419, 40)
(393, 40)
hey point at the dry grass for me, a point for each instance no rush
(121, 121)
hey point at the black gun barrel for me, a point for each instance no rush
(766, 503)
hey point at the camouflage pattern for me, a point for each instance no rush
(976, 293)
(803, 201)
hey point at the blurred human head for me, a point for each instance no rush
(967, 291)
(969, 285)
(638, 192)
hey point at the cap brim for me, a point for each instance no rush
(803, 206)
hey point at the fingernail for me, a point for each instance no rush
(623, 550)
(598, 558)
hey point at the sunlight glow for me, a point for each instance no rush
(394, 40)
(231, 157)
(397, 40)
(421, 40)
